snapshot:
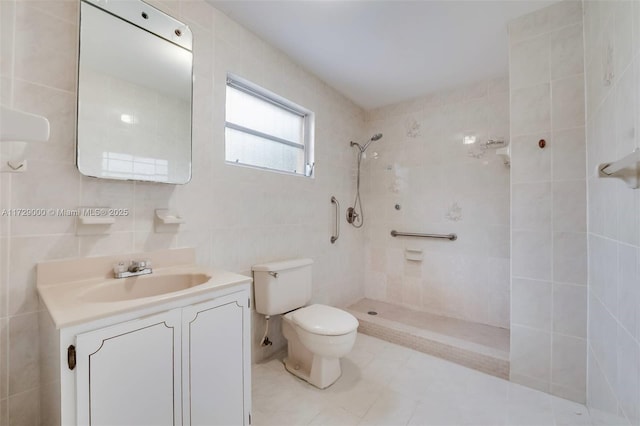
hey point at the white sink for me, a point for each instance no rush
(116, 290)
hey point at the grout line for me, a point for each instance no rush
(40, 85)
(606, 379)
(553, 224)
(615, 318)
(613, 240)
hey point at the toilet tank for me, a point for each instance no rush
(282, 286)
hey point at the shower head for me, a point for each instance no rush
(374, 138)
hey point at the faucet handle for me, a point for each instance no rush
(140, 264)
(119, 267)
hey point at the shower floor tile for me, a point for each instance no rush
(386, 384)
(474, 345)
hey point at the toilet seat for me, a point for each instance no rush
(324, 320)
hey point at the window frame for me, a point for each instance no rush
(308, 124)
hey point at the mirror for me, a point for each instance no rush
(134, 93)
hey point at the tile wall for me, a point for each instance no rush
(612, 58)
(235, 216)
(441, 186)
(548, 201)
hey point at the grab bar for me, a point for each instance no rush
(451, 237)
(335, 237)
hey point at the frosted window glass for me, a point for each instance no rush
(266, 131)
(243, 148)
(254, 113)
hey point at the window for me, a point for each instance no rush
(265, 130)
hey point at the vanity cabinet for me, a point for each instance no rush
(187, 365)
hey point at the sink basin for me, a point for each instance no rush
(116, 290)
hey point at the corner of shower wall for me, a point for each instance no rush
(548, 201)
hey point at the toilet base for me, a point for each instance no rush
(324, 371)
(320, 371)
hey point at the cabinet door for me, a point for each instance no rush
(215, 356)
(129, 373)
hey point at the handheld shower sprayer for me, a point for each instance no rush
(362, 148)
(355, 214)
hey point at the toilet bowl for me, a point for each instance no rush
(317, 337)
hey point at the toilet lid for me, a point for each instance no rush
(325, 320)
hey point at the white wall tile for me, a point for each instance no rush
(545, 20)
(24, 408)
(570, 257)
(570, 206)
(531, 353)
(569, 154)
(24, 368)
(566, 52)
(628, 382)
(569, 363)
(60, 192)
(567, 102)
(532, 206)
(570, 312)
(531, 109)
(602, 340)
(628, 289)
(603, 271)
(531, 254)
(532, 303)
(4, 361)
(529, 62)
(23, 256)
(7, 22)
(625, 137)
(46, 56)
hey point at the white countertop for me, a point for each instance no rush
(65, 301)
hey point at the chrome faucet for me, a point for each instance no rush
(135, 268)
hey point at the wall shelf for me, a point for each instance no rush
(166, 220)
(626, 169)
(92, 224)
(93, 220)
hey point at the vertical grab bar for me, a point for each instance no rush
(335, 237)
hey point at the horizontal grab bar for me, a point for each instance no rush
(451, 237)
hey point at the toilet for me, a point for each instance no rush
(317, 335)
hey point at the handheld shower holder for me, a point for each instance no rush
(352, 215)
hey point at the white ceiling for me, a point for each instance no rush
(382, 52)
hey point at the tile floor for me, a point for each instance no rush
(387, 384)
